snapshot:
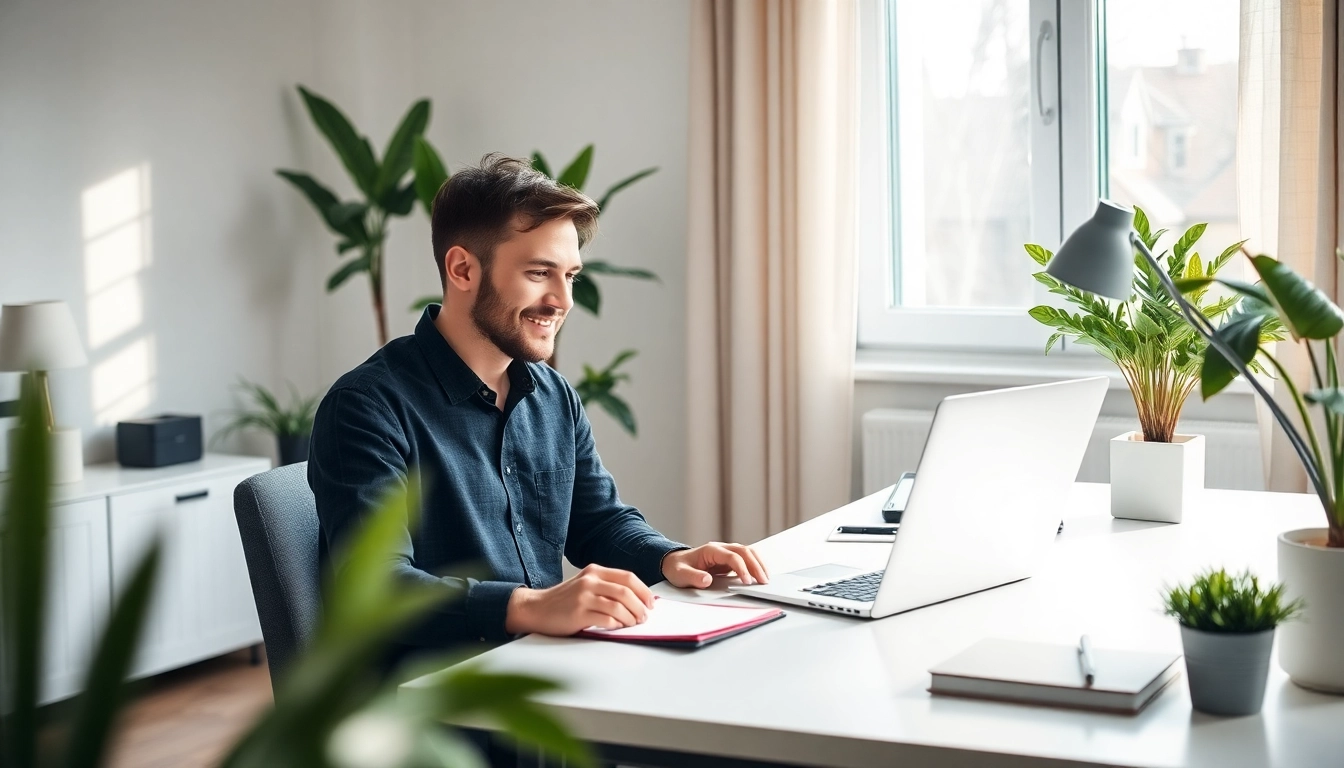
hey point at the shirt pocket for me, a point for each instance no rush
(554, 495)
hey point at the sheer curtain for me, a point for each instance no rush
(774, 120)
(1288, 168)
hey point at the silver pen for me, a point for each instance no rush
(1085, 659)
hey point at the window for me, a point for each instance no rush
(994, 123)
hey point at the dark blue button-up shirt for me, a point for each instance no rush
(506, 493)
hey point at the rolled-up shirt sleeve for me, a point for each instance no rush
(357, 458)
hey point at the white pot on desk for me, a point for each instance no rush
(1155, 481)
(1311, 649)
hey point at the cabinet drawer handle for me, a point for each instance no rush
(181, 497)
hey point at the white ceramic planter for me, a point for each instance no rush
(1311, 649)
(1155, 481)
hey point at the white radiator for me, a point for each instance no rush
(893, 439)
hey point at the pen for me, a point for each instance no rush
(1085, 659)
(869, 530)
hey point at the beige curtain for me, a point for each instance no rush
(774, 120)
(1288, 160)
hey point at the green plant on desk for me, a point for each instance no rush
(330, 709)
(1146, 337)
(1284, 299)
(1217, 602)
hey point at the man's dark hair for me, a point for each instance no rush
(477, 208)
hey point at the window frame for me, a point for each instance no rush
(1067, 68)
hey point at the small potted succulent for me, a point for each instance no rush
(1227, 631)
(291, 424)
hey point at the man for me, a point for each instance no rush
(508, 473)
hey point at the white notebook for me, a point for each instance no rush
(1044, 673)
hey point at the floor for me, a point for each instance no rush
(188, 717)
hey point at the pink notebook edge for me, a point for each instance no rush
(768, 615)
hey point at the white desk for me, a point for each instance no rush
(821, 689)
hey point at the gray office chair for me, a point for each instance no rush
(277, 518)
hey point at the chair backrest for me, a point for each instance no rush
(277, 518)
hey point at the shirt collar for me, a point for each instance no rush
(459, 382)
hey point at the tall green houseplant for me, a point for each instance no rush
(361, 225)
(597, 385)
(1146, 337)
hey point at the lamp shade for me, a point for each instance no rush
(1098, 257)
(39, 336)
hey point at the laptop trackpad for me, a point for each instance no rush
(828, 572)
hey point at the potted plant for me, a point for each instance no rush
(361, 225)
(1227, 631)
(1311, 560)
(1156, 473)
(292, 424)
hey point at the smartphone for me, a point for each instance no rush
(900, 495)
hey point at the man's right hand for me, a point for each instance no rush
(595, 597)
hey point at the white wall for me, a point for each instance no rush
(227, 279)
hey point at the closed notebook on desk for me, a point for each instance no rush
(678, 624)
(1044, 673)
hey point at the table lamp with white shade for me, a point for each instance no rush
(35, 338)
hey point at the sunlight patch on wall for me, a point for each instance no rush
(122, 386)
(117, 238)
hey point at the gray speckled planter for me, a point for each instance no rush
(1227, 670)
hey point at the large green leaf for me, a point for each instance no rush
(587, 295)
(604, 268)
(23, 580)
(104, 688)
(401, 202)
(397, 157)
(1039, 255)
(1241, 333)
(327, 205)
(620, 185)
(1306, 311)
(1187, 240)
(429, 173)
(1142, 226)
(619, 410)
(353, 149)
(1331, 398)
(576, 175)
(539, 164)
(347, 270)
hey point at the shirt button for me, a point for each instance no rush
(520, 528)
(508, 470)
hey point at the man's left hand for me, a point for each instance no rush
(697, 567)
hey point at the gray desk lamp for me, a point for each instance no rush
(1099, 258)
(35, 338)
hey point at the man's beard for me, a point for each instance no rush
(495, 320)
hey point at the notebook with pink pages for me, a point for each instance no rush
(681, 624)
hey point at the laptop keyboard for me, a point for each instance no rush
(862, 588)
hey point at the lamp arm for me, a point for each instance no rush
(1206, 329)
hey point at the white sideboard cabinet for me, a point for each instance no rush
(202, 604)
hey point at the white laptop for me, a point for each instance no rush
(986, 504)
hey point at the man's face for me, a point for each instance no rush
(526, 292)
